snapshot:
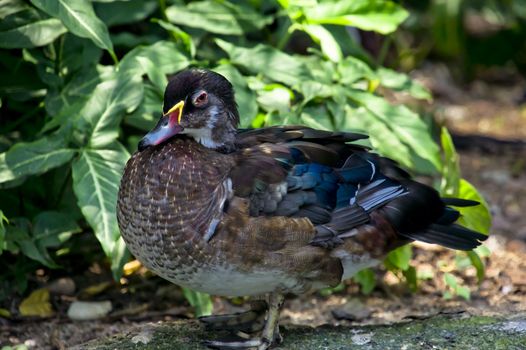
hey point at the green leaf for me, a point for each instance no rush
(96, 177)
(379, 16)
(124, 12)
(463, 291)
(275, 97)
(80, 19)
(245, 97)
(201, 302)
(268, 61)
(450, 280)
(179, 35)
(155, 61)
(478, 264)
(351, 69)
(64, 104)
(450, 169)
(9, 7)
(102, 113)
(2, 231)
(33, 158)
(51, 228)
(477, 218)
(218, 17)
(400, 257)
(402, 82)
(18, 236)
(482, 251)
(329, 45)
(390, 126)
(317, 117)
(147, 114)
(367, 280)
(34, 34)
(120, 255)
(411, 278)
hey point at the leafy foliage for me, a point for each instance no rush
(82, 80)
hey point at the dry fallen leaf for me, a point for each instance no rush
(36, 304)
(131, 267)
(4, 313)
(95, 289)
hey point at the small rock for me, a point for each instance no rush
(89, 310)
(362, 339)
(63, 286)
(353, 310)
(518, 326)
(144, 337)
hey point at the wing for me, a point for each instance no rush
(299, 172)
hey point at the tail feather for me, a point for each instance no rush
(450, 236)
(459, 202)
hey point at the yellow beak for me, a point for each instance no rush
(177, 107)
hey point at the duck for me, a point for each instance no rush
(266, 212)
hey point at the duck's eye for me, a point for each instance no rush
(200, 99)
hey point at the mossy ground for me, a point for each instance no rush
(440, 332)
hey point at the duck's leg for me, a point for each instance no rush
(275, 302)
(250, 321)
(269, 336)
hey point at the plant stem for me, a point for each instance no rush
(114, 57)
(63, 187)
(285, 38)
(384, 50)
(162, 6)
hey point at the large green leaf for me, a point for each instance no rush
(9, 7)
(33, 158)
(122, 91)
(351, 69)
(147, 114)
(401, 82)
(69, 100)
(52, 228)
(329, 45)
(477, 218)
(268, 61)
(124, 12)
(217, 17)
(401, 126)
(245, 97)
(102, 113)
(96, 177)
(19, 238)
(78, 16)
(381, 16)
(156, 61)
(34, 34)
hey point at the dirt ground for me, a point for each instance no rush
(482, 108)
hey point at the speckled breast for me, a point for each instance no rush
(162, 194)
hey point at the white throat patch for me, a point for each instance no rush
(204, 135)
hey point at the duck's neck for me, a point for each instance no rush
(217, 136)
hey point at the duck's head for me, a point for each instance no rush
(200, 104)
